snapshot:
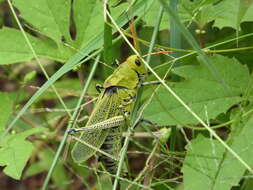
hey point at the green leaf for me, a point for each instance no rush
(224, 13)
(5, 109)
(201, 92)
(92, 17)
(234, 74)
(13, 48)
(202, 163)
(45, 158)
(15, 152)
(90, 22)
(151, 17)
(49, 17)
(52, 18)
(188, 11)
(230, 14)
(209, 166)
(199, 11)
(244, 5)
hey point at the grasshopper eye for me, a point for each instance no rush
(137, 62)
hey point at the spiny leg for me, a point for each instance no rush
(150, 83)
(139, 122)
(143, 121)
(106, 124)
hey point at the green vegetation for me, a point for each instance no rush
(52, 53)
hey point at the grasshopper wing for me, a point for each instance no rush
(106, 107)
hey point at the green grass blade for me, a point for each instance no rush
(108, 56)
(73, 117)
(175, 42)
(155, 32)
(175, 34)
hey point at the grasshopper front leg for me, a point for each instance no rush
(150, 83)
(106, 124)
(99, 87)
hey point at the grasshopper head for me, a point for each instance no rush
(126, 74)
(135, 63)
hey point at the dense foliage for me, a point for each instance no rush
(202, 110)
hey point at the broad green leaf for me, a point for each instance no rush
(52, 18)
(5, 109)
(13, 48)
(49, 17)
(202, 163)
(230, 14)
(188, 11)
(45, 158)
(151, 17)
(225, 13)
(90, 22)
(239, 121)
(209, 166)
(15, 152)
(201, 92)
(231, 70)
(199, 11)
(87, 21)
(185, 10)
(244, 5)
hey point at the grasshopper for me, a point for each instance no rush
(114, 106)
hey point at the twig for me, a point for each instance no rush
(31, 122)
(149, 162)
(156, 134)
(39, 110)
(150, 166)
